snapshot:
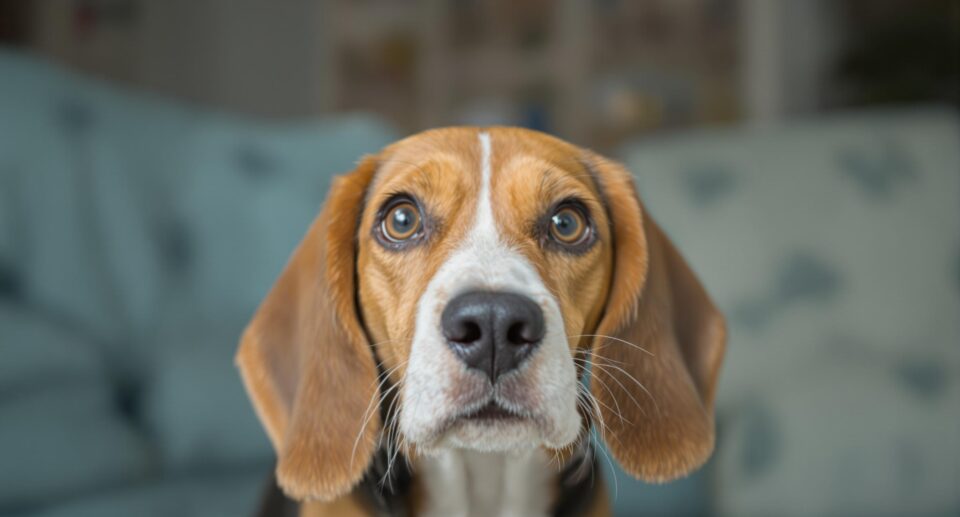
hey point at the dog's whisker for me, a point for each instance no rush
(603, 427)
(613, 471)
(616, 411)
(582, 404)
(595, 410)
(391, 438)
(385, 377)
(614, 338)
(395, 438)
(602, 431)
(634, 379)
(397, 444)
(603, 368)
(366, 421)
(390, 425)
(394, 430)
(406, 451)
(607, 359)
(606, 368)
(603, 384)
(368, 413)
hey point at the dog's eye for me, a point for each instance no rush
(401, 222)
(569, 226)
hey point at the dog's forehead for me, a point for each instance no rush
(509, 143)
(455, 154)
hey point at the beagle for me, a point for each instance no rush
(468, 305)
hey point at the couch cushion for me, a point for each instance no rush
(833, 247)
(247, 196)
(37, 349)
(121, 210)
(62, 430)
(243, 201)
(154, 230)
(211, 494)
(848, 227)
(195, 404)
(855, 437)
(63, 439)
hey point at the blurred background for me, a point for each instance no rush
(160, 160)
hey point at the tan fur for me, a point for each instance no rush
(306, 359)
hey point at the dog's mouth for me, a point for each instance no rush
(491, 412)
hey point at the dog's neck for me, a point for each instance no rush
(461, 482)
(465, 483)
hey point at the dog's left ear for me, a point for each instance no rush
(305, 359)
(659, 370)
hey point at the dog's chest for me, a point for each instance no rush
(477, 484)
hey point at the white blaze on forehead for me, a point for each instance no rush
(485, 223)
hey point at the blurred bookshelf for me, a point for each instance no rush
(593, 71)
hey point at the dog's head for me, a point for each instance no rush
(470, 277)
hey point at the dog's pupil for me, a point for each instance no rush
(565, 223)
(402, 219)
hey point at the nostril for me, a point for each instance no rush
(469, 332)
(518, 334)
(463, 331)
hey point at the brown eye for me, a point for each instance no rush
(401, 222)
(568, 226)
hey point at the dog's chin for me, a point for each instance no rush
(493, 434)
(493, 429)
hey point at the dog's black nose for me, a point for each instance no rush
(492, 331)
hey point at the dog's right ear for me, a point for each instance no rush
(305, 359)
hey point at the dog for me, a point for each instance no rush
(467, 306)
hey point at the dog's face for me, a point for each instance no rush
(481, 267)
(463, 279)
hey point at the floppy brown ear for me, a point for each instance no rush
(305, 359)
(659, 366)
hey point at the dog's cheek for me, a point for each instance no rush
(583, 289)
(371, 305)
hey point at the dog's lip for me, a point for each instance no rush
(491, 411)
